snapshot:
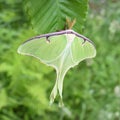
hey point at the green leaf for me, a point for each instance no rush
(3, 98)
(50, 15)
(60, 50)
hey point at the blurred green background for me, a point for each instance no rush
(91, 89)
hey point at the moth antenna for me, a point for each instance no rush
(70, 23)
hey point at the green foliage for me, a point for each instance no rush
(48, 16)
(91, 92)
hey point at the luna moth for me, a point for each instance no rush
(60, 50)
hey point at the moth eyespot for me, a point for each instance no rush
(47, 40)
(83, 42)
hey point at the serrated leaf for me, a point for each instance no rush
(50, 15)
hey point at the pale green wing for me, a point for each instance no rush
(45, 49)
(82, 49)
(61, 50)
